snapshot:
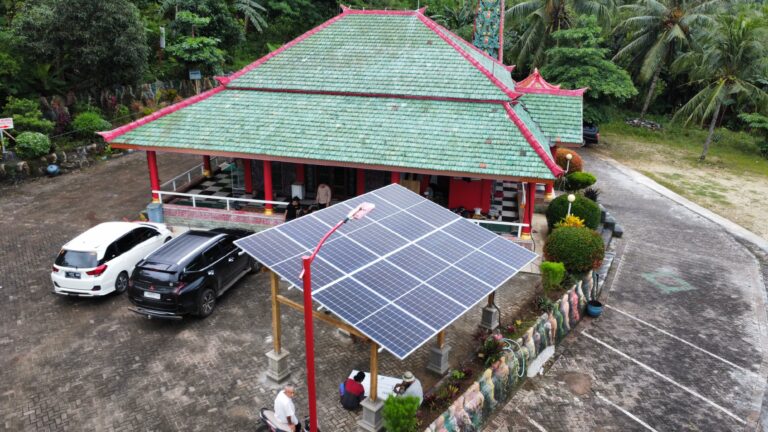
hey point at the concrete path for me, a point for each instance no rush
(682, 343)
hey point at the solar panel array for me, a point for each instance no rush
(399, 275)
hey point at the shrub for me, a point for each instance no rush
(579, 249)
(579, 180)
(571, 221)
(592, 193)
(576, 162)
(584, 208)
(399, 414)
(32, 145)
(88, 123)
(552, 275)
(27, 116)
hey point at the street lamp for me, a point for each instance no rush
(571, 199)
(568, 158)
(357, 213)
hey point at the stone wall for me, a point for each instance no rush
(13, 169)
(206, 218)
(497, 383)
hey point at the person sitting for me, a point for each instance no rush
(353, 392)
(410, 387)
(293, 209)
(285, 411)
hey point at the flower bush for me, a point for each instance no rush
(584, 208)
(579, 249)
(571, 221)
(576, 162)
(32, 145)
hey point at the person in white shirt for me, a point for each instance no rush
(285, 411)
(410, 387)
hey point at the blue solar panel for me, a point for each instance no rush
(430, 306)
(396, 330)
(399, 275)
(386, 280)
(460, 286)
(350, 300)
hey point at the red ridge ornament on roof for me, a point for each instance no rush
(535, 144)
(535, 83)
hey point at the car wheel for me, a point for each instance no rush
(206, 303)
(121, 283)
(256, 266)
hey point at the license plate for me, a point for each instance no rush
(152, 295)
(72, 275)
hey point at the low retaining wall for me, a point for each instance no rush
(497, 383)
(201, 217)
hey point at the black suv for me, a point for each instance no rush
(188, 274)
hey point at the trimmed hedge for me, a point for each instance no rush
(576, 163)
(584, 208)
(32, 145)
(552, 275)
(579, 180)
(88, 123)
(579, 249)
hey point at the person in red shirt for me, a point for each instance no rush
(353, 392)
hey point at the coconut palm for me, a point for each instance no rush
(251, 10)
(656, 31)
(544, 17)
(732, 58)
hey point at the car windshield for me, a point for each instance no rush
(76, 259)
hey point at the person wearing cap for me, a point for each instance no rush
(410, 387)
(353, 392)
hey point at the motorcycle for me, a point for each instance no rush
(269, 422)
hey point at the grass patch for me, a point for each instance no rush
(735, 152)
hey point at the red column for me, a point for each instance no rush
(207, 167)
(154, 178)
(395, 177)
(268, 186)
(530, 202)
(248, 176)
(424, 183)
(360, 183)
(300, 173)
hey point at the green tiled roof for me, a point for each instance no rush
(375, 54)
(559, 117)
(459, 137)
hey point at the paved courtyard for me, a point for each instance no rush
(91, 365)
(682, 343)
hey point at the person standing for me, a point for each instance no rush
(323, 196)
(285, 411)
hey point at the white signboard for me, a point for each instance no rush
(194, 74)
(6, 123)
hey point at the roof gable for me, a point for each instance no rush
(377, 53)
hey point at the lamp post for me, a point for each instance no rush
(568, 158)
(571, 199)
(306, 275)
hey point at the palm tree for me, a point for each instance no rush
(656, 31)
(544, 17)
(731, 60)
(251, 10)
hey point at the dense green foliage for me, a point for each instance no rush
(399, 414)
(582, 207)
(579, 249)
(88, 123)
(30, 145)
(552, 275)
(578, 181)
(26, 116)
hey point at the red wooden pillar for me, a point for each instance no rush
(530, 201)
(268, 186)
(360, 182)
(300, 173)
(424, 183)
(154, 177)
(207, 167)
(248, 175)
(395, 177)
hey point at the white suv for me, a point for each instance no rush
(100, 260)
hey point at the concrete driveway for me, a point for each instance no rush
(682, 343)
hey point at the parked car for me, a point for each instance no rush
(101, 260)
(187, 275)
(591, 134)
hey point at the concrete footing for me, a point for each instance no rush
(277, 369)
(438, 359)
(371, 420)
(490, 318)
